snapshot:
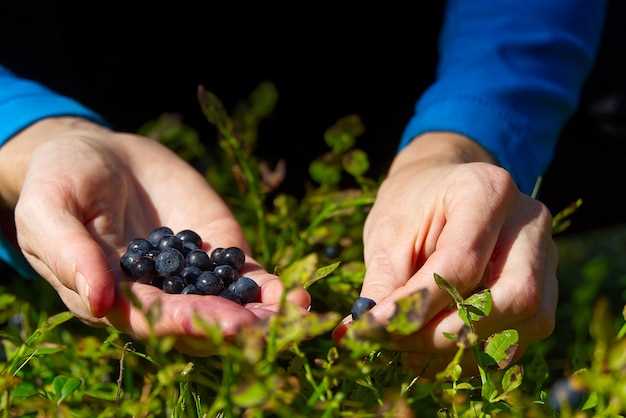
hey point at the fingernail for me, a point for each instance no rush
(83, 289)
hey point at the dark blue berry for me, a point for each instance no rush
(332, 251)
(209, 284)
(567, 391)
(200, 259)
(189, 247)
(226, 273)
(127, 260)
(246, 289)
(169, 262)
(233, 256)
(139, 246)
(173, 285)
(142, 268)
(156, 235)
(190, 274)
(171, 242)
(230, 295)
(360, 306)
(190, 236)
(157, 281)
(216, 257)
(190, 290)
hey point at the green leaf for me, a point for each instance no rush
(478, 305)
(299, 272)
(591, 402)
(512, 378)
(448, 287)
(325, 173)
(6, 300)
(488, 389)
(501, 347)
(622, 332)
(356, 162)
(263, 99)
(214, 110)
(24, 390)
(250, 394)
(64, 386)
(322, 272)
(50, 324)
(409, 314)
(342, 135)
(450, 335)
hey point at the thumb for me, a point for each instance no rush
(61, 249)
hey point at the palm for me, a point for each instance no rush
(118, 197)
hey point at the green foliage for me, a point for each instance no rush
(289, 365)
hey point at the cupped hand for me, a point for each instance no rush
(85, 192)
(445, 208)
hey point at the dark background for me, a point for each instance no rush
(132, 65)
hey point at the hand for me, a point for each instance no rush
(446, 208)
(83, 192)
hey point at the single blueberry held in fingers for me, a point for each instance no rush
(209, 284)
(169, 262)
(230, 295)
(235, 257)
(200, 259)
(127, 261)
(139, 246)
(142, 268)
(226, 273)
(190, 236)
(360, 306)
(246, 289)
(173, 285)
(189, 247)
(190, 290)
(190, 274)
(156, 235)
(171, 242)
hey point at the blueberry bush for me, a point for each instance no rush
(53, 365)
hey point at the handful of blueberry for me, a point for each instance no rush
(177, 264)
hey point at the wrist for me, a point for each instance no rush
(441, 148)
(16, 154)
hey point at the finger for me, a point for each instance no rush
(49, 232)
(474, 214)
(523, 286)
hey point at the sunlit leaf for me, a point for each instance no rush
(478, 306)
(356, 162)
(299, 272)
(250, 393)
(501, 347)
(512, 378)
(322, 272)
(409, 313)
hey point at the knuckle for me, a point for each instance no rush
(487, 180)
(528, 299)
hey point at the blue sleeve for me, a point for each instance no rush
(509, 76)
(22, 103)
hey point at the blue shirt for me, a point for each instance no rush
(509, 76)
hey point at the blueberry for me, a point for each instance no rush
(171, 242)
(246, 289)
(190, 236)
(216, 257)
(158, 234)
(189, 247)
(226, 273)
(127, 261)
(200, 259)
(230, 295)
(142, 268)
(209, 284)
(332, 251)
(360, 306)
(190, 290)
(152, 253)
(157, 281)
(568, 391)
(233, 256)
(173, 285)
(190, 274)
(139, 246)
(169, 262)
